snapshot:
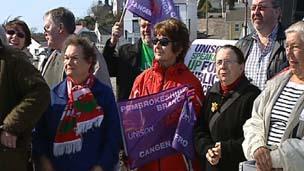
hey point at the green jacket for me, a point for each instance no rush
(24, 96)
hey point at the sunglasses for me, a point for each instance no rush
(12, 32)
(163, 41)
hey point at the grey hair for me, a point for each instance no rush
(297, 27)
(3, 36)
(63, 16)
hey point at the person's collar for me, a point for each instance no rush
(271, 35)
(225, 89)
(177, 68)
(148, 44)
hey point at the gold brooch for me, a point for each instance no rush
(214, 107)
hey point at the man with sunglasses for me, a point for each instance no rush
(264, 48)
(24, 96)
(130, 59)
(59, 24)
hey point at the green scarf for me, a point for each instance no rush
(81, 114)
(146, 57)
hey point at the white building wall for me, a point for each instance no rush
(33, 47)
(188, 14)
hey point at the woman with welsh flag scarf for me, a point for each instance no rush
(80, 130)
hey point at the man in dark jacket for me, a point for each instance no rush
(130, 60)
(24, 96)
(218, 133)
(264, 48)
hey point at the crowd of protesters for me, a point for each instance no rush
(63, 116)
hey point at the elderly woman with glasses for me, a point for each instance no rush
(228, 104)
(171, 43)
(80, 130)
(274, 134)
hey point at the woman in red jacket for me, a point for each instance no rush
(171, 43)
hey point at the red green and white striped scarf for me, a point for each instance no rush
(80, 115)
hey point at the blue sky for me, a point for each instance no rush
(32, 11)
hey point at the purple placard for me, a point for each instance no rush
(149, 125)
(153, 10)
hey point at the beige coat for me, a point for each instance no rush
(289, 154)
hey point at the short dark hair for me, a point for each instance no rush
(12, 24)
(63, 16)
(89, 50)
(276, 3)
(177, 32)
(239, 54)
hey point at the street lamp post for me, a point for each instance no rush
(206, 17)
(246, 17)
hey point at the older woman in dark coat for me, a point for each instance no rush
(228, 104)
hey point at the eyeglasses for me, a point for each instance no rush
(226, 61)
(72, 58)
(163, 41)
(259, 7)
(12, 32)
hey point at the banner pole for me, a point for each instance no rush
(122, 134)
(125, 150)
(123, 12)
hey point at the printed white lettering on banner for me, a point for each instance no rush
(155, 148)
(143, 9)
(181, 140)
(164, 106)
(140, 133)
(167, 8)
(187, 118)
(155, 101)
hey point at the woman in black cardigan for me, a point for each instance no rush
(228, 104)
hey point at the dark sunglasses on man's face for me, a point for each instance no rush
(12, 32)
(163, 41)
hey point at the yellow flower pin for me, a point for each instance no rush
(214, 107)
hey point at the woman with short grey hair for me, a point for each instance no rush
(274, 134)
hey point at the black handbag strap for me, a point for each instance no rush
(223, 108)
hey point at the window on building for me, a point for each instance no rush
(136, 39)
(134, 15)
(237, 27)
(130, 39)
(135, 26)
(177, 10)
(299, 14)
